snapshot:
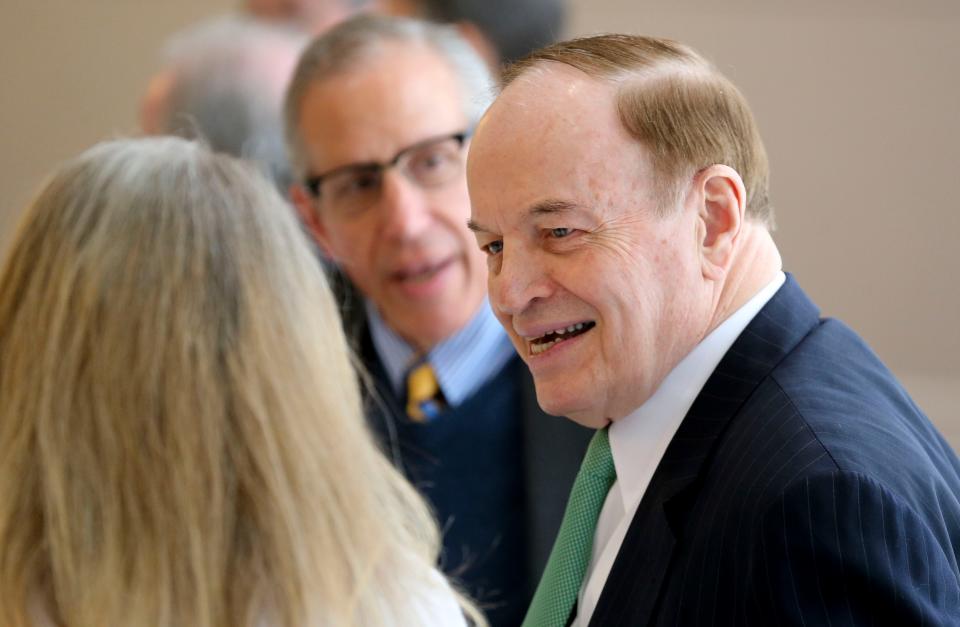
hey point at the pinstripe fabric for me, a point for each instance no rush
(803, 488)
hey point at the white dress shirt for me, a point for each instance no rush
(639, 440)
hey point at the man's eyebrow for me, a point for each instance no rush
(544, 207)
(476, 228)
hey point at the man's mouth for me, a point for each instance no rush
(421, 273)
(551, 338)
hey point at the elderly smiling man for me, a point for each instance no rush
(753, 463)
(379, 115)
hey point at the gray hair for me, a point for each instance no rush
(515, 27)
(346, 46)
(228, 80)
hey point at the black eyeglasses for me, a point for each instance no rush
(351, 189)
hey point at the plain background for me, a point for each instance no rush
(859, 106)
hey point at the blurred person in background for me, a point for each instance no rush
(502, 31)
(753, 463)
(313, 16)
(379, 115)
(223, 80)
(181, 437)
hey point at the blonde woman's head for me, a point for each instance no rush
(181, 439)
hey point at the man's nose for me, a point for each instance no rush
(519, 281)
(404, 206)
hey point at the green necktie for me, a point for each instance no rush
(572, 550)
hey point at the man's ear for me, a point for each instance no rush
(307, 209)
(722, 201)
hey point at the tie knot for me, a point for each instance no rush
(598, 461)
(422, 393)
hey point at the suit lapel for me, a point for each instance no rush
(633, 587)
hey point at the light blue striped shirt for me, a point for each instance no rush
(463, 362)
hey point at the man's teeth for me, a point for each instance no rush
(539, 344)
(570, 329)
(536, 349)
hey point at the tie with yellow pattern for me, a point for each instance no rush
(423, 402)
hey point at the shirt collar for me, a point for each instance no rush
(639, 440)
(462, 362)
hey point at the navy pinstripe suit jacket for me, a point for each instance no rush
(804, 487)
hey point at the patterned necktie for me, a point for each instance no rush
(558, 588)
(423, 391)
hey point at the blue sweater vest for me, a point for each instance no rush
(468, 463)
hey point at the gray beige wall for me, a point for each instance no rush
(72, 73)
(858, 104)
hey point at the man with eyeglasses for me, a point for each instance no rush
(379, 115)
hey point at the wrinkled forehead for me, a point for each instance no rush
(552, 114)
(555, 99)
(553, 131)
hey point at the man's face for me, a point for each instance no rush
(410, 252)
(601, 296)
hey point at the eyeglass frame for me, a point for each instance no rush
(313, 183)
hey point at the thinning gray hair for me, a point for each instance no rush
(347, 45)
(229, 78)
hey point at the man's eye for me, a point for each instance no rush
(362, 182)
(493, 248)
(560, 232)
(433, 159)
(354, 184)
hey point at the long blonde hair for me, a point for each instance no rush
(181, 437)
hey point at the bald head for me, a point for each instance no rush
(673, 102)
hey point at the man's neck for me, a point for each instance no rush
(755, 263)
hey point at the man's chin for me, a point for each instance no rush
(583, 412)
